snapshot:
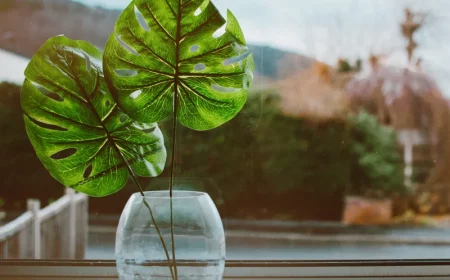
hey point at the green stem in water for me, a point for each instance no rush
(154, 221)
(172, 175)
(133, 176)
(174, 135)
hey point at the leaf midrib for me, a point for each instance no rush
(177, 60)
(177, 77)
(109, 137)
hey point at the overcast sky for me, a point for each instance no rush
(329, 29)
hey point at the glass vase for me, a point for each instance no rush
(198, 236)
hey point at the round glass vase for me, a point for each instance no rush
(198, 234)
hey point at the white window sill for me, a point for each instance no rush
(427, 269)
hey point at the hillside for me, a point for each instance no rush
(25, 25)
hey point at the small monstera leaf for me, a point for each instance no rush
(178, 55)
(75, 126)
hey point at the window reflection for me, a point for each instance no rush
(340, 152)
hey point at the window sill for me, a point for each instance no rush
(420, 269)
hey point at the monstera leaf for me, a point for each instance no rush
(179, 56)
(78, 131)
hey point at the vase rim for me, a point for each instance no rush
(177, 194)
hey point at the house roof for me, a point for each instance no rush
(310, 95)
(392, 81)
(403, 97)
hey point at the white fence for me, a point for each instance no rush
(58, 231)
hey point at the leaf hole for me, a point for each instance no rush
(149, 130)
(220, 88)
(236, 59)
(200, 67)
(197, 12)
(201, 8)
(247, 82)
(194, 48)
(64, 154)
(54, 96)
(88, 62)
(48, 126)
(88, 171)
(219, 32)
(123, 118)
(126, 46)
(107, 103)
(126, 72)
(141, 19)
(136, 94)
(48, 93)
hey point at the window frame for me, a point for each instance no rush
(388, 269)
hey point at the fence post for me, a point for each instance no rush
(33, 206)
(72, 223)
(408, 159)
(24, 244)
(85, 226)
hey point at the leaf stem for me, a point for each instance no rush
(110, 138)
(174, 132)
(133, 176)
(166, 251)
(172, 175)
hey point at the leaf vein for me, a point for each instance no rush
(122, 164)
(147, 7)
(207, 21)
(208, 52)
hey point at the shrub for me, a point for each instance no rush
(377, 164)
(22, 175)
(303, 153)
(262, 164)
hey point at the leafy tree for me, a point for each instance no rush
(376, 165)
(17, 157)
(267, 165)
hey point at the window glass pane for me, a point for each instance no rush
(339, 153)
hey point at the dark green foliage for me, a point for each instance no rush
(267, 165)
(9, 96)
(22, 175)
(344, 66)
(11, 132)
(235, 163)
(299, 153)
(377, 164)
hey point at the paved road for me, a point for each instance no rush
(101, 246)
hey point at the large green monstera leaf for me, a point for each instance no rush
(78, 131)
(178, 55)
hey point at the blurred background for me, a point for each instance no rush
(341, 151)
